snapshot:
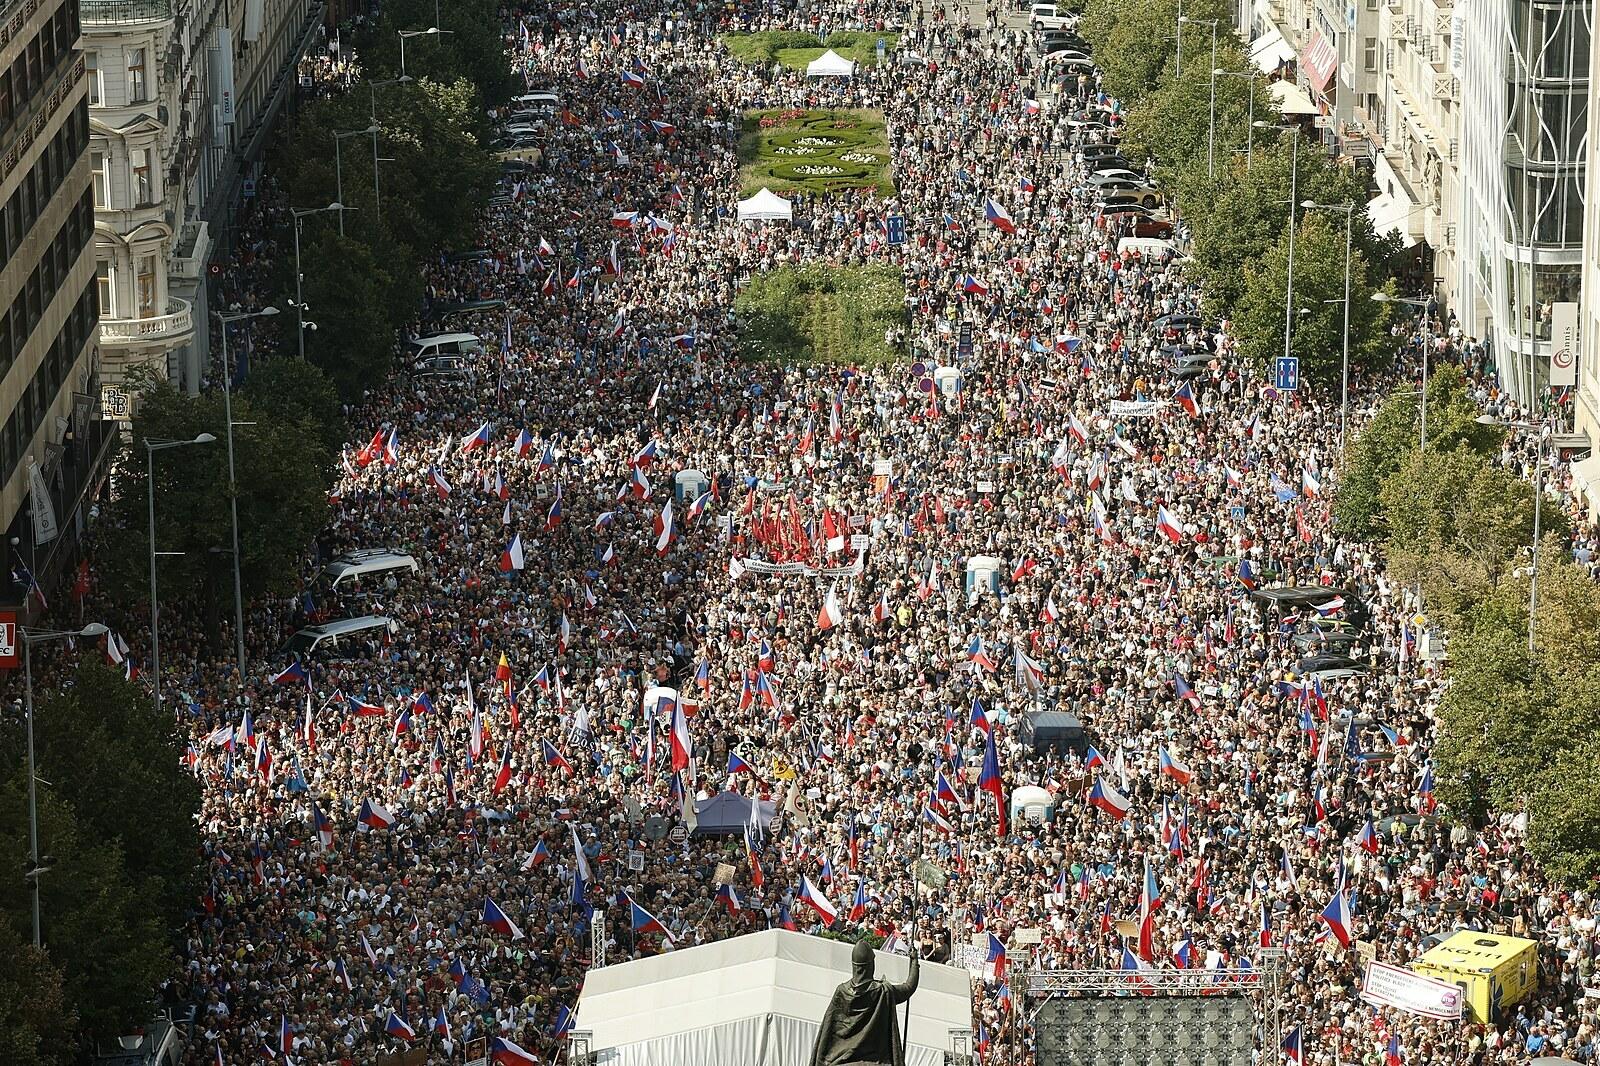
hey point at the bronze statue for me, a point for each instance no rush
(859, 1028)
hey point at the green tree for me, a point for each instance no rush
(291, 390)
(1393, 434)
(282, 476)
(38, 1027)
(1319, 287)
(1247, 211)
(1457, 524)
(1136, 43)
(100, 927)
(1564, 815)
(148, 804)
(1505, 716)
(1173, 123)
(357, 308)
(474, 48)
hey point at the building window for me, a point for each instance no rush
(102, 180)
(106, 288)
(1369, 54)
(136, 76)
(147, 286)
(91, 64)
(139, 173)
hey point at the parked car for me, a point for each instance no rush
(1050, 17)
(1138, 192)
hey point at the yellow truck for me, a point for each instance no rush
(1494, 971)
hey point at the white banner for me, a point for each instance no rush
(1396, 986)
(1134, 408)
(761, 566)
(45, 528)
(1564, 343)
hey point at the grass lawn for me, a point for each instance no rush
(814, 151)
(821, 313)
(795, 49)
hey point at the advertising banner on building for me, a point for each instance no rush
(1564, 341)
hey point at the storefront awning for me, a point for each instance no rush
(1391, 214)
(1318, 63)
(1270, 52)
(1291, 100)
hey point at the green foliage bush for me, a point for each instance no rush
(820, 313)
(794, 48)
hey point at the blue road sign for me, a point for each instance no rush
(1288, 379)
(896, 227)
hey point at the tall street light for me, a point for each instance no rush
(1538, 499)
(1294, 187)
(1250, 127)
(298, 303)
(150, 449)
(1184, 20)
(30, 637)
(1344, 388)
(1427, 342)
(431, 31)
(338, 164)
(373, 87)
(233, 488)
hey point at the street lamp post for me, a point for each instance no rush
(1344, 387)
(30, 637)
(1385, 298)
(1538, 499)
(338, 164)
(1250, 121)
(431, 31)
(1211, 133)
(150, 449)
(298, 302)
(373, 87)
(233, 488)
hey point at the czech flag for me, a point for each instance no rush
(290, 674)
(1185, 398)
(980, 718)
(997, 957)
(1337, 915)
(478, 439)
(812, 897)
(1185, 691)
(998, 217)
(1105, 796)
(374, 815)
(513, 557)
(552, 757)
(498, 920)
(729, 898)
(503, 1052)
(440, 485)
(973, 285)
(989, 781)
(1173, 768)
(396, 1027)
(737, 764)
(1292, 1047)
(643, 921)
(323, 826)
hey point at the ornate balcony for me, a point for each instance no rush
(170, 329)
(100, 12)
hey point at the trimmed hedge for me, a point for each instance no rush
(814, 151)
(819, 313)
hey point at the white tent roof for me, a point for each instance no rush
(766, 204)
(830, 64)
(1291, 99)
(1270, 51)
(1391, 214)
(753, 1000)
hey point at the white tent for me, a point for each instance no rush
(753, 1000)
(1291, 99)
(766, 204)
(830, 64)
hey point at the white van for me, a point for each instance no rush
(538, 99)
(1045, 17)
(353, 566)
(341, 638)
(446, 344)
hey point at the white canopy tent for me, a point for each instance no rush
(754, 1000)
(830, 64)
(766, 205)
(1291, 99)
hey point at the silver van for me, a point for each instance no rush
(368, 562)
(341, 639)
(446, 344)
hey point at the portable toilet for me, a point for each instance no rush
(948, 379)
(1033, 804)
(688, 486)
(983, 572)
(1494, 971)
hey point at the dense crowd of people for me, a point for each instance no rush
(366, 811)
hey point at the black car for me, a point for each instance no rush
(1109, 162)
(1178, 322)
